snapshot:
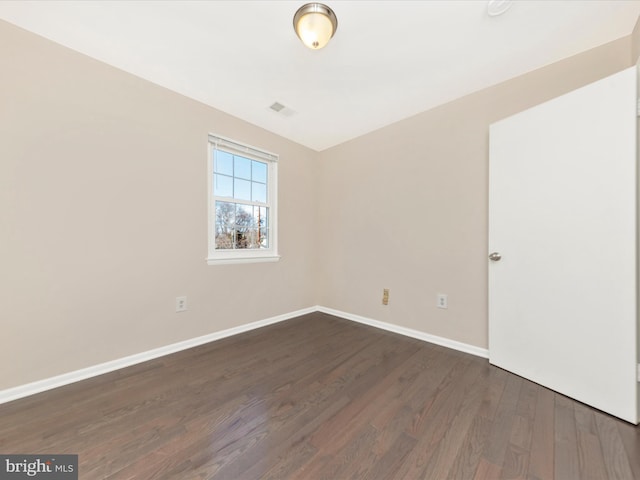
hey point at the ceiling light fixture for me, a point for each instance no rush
(498, 7)
(315, 24)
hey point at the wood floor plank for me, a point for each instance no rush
(388, 466)
(296, 455)
(376, 380)
(500, 434)
(495, 388)
(342, 461)
(516, 458)
(461, 424)
(522, 429)
(320, 397)
(516, 462)
(262, 455)
(542, 455)
(630, 437)
(614, 455)
(566, 443)
(439, 423)
(468, 455)
(487, 470)
(590, 458)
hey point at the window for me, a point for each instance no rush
(242, 203)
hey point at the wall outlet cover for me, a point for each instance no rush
(442, 301)
(181, 304)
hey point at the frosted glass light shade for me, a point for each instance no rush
(315, 24)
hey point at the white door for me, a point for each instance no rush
(562, 216)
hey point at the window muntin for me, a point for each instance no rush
(239, 177)
(242, 202)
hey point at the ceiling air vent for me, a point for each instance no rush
(276, 107)
(281, 109)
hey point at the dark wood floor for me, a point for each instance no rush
(319, 397)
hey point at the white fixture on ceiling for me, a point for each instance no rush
(498, 7)
(315, 24)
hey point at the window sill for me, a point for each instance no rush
(231, 260)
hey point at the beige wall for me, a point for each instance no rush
(103, 216)
(405, 207)
(635, 43)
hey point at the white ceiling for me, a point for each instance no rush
(388, 60)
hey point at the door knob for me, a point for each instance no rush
(495, 257)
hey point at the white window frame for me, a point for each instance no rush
(243, 255)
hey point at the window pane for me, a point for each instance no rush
(241, 240)
(223, 162)
(264, 238)
(225, 225)
(223, 186)
(225, 213)
(242, 189)
(243, 225)
(224, 241)
(242, 167)
(252, 238)
(261, 214)
(258, 192)
(259, 172)
(244, 217)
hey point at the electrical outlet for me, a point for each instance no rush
(442, 301)
(385, 296)
(181, 304)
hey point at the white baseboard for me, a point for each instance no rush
(21, 391)
(408, 332)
